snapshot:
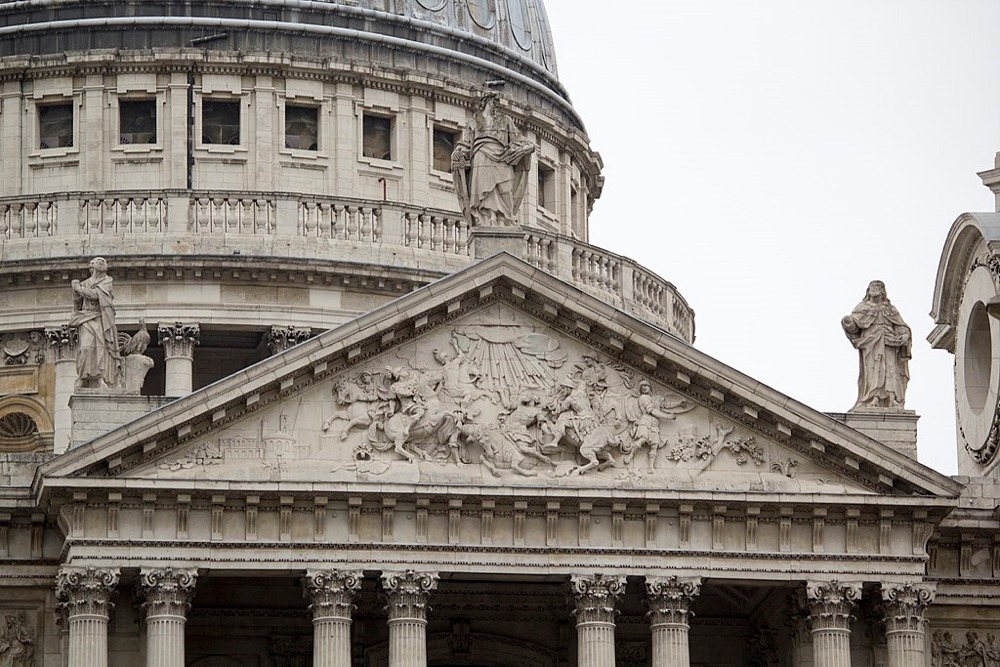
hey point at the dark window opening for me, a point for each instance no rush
(220, 122)
(55, 126)
(546, 187)
(444, 144)
(377, 140)
(137, 121)
(302, 128)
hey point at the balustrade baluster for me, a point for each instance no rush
(365, 223)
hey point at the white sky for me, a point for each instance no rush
(771, 157)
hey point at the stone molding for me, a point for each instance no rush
(831, 603)
(178, 339)
(62, 341)
(86, 591)
(670, 599)
(905, 605)
(595, 597)
(408, 593)
(280, 339)
(168, 591)
(330, 592)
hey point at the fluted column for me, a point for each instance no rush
(904, 622)
(168, 595)
(62, 344)
(830, 606)
(86, 595)
(408, 593)
(670, 601)
(595, 597)
(178, 341)
(330, 593)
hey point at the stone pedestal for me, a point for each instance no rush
(178, 341)
(330, 593)
(830, 606)
(904, 623)
(595, 597)
(62, 345)
(86, 595)
(408, 593)
(96, 413)
(670, 601)
(168, 595)
(896, 428)
(488, 241)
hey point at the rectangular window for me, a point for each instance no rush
(302, 128)
(377, 140)
(220, 122)
(444, 144)
(546, 187)
(137, 121)
(55, 126)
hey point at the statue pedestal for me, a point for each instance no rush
(97, 412)
(896, 428)
(488, 241)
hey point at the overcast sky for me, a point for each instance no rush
(770, 158)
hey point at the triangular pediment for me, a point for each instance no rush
(500, 375)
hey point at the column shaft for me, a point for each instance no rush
(670, 601)
(904, 622)
(330, 593)
(408, 593)
(595, 598)
(595, 644)
(830, 606)
(165, 641)
(84, 594)
(670, 646)
(408, 642)
(831, 648)
(168, 595)
(178, 341)
(88, 641)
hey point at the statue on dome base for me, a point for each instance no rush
(490, 164)
(883, 342)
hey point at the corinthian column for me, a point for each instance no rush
(408, 593)
(830, 606)
(670, 601)
(330, 593)
(86, 595)
(595, 597)
(904, 622)
(168, 597)
(62, 342)
(178, 341)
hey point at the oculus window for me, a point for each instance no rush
(302, 128)
(137, 121)
(220, 122)
(377, 139)
(55, 126)
(444, 144)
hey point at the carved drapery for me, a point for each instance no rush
(595, 598)
(904, 622)
(86, 595)
(669, 615)
(330, 593)
(408, 593)
(168, 594)
(830, 606)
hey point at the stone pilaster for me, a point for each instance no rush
(904, 622)
(280, 339)
(330, 593)
(168, 594)
(178, 341)
(86, 595)
(408, 593)
(62, 346)
(595, 597)
(830, 606)
(670, 601)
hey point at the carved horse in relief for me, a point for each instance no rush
(357, 404)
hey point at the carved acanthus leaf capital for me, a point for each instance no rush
(330, 592)
(408, 593)
(86, 591)
(168, 591)
(178, 339)
(905, 605)
(62, 341)
(280, 339)
(595, 597)
(670, 599)
(831, 603)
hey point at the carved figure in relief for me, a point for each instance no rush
(516, 427)
(459, 376)
(358, 402)
(17, 643)
(645, 413)
(598, 443)
(98, 361)
(498, 451)
(490, 164)
(883, 342)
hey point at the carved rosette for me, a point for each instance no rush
(330, 592)
(86, 591)
(595, 597)
(905, 605)
(408, 593)
(178, 339)
(670, 599)
(168, 591)
(831, 603)
(280, 339)
(62, 341)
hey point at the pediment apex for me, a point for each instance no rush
(706, 404)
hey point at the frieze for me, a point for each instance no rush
(17, 641)
(973, 652)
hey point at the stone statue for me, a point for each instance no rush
(136, 363)
(883, 341)
(98, 360)
(490, 165)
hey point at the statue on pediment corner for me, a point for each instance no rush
(876, 329)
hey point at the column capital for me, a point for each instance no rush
(408, 593)
(62, 341)
(831, 603)
(595, 597)
(280, 339)
(178, 339)
(670, 599)
(905, 605)
(86, 590)
(168, 591)
(330, 592)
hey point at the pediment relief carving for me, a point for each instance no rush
(495, 398)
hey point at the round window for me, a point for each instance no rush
(483, 12)
(978, 357)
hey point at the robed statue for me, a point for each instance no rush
(490, 165)
(98, 359)
(883, 342)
